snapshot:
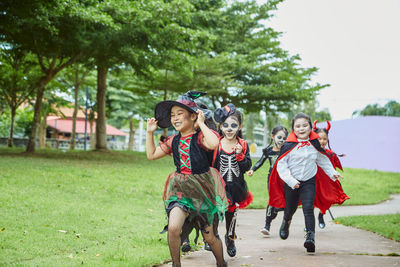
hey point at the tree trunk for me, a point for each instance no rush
(37, 110)
(11, 138)
(131, 135)
(42, 132)
(92, 136)
(101, 142)
(76, 91)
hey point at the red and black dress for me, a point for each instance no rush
(195, 187)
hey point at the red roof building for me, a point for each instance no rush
(60, 126)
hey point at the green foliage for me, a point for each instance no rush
(387, 225)
(391, 108)
(23, 123)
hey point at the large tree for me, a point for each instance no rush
(139, 34)
(53, 31)
(17, 73)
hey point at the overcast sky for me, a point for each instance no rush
(354, 43)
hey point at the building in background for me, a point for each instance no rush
(370, 142)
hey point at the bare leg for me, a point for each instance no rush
(215, 244)
(175, 222)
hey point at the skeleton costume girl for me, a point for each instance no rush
(232, 159)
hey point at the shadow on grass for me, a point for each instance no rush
(91, 155)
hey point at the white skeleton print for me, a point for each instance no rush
(229, 165)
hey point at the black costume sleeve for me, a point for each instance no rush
(260, 162)
(245, 164)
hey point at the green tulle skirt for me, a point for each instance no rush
(203, 194)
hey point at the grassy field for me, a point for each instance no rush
(384, 225)
(105, 208)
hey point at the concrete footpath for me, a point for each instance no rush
(336, 245)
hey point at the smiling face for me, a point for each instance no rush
(301, 128)
(323, 139)
(181, 119)
(230, 127)
(279, 138)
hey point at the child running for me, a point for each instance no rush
(232, 159)
(278, 137)
(194, 191)
(293, 177)
(324, 140)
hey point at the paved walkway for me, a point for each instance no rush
(336, 245)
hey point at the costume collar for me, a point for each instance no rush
(293, 138)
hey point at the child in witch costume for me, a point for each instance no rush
(293, 178)
(324, 140)
(278, 137)
(194, 191)
(232, 159)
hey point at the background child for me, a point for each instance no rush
(278, 137)
(194, 191)
(232, 159)
(293, 177)
(324, 140)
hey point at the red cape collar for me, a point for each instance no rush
(293, 138)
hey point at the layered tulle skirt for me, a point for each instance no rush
(201, 195)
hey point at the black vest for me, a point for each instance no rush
(199, 158)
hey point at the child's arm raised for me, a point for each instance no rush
(152, 151)
(210, 140)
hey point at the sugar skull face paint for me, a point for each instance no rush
(230, 128)
(279, 138)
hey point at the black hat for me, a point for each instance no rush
(221, 114)
(186, 101)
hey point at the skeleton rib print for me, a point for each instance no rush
(229, 167)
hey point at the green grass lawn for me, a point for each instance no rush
(384, 225)
(105, 208)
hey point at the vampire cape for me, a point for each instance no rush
(327, 192)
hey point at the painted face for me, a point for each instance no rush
(181, 119)
(323, 139)
(302, 128)
(230, 128)
(279, 138)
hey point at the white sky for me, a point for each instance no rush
(354, 43)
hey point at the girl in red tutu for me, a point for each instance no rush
(324, 141)
(194, 192)
(232, 159)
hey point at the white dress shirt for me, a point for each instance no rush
(300, 164)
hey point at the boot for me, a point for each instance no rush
(230, 245)
(284, 231)
(309, 244)
(321, 222)
(225, 264)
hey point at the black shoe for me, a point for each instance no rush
(309, 244)
(284, 231)
(230, 246)
(186, 247)
(206, 246)
(321, 222)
